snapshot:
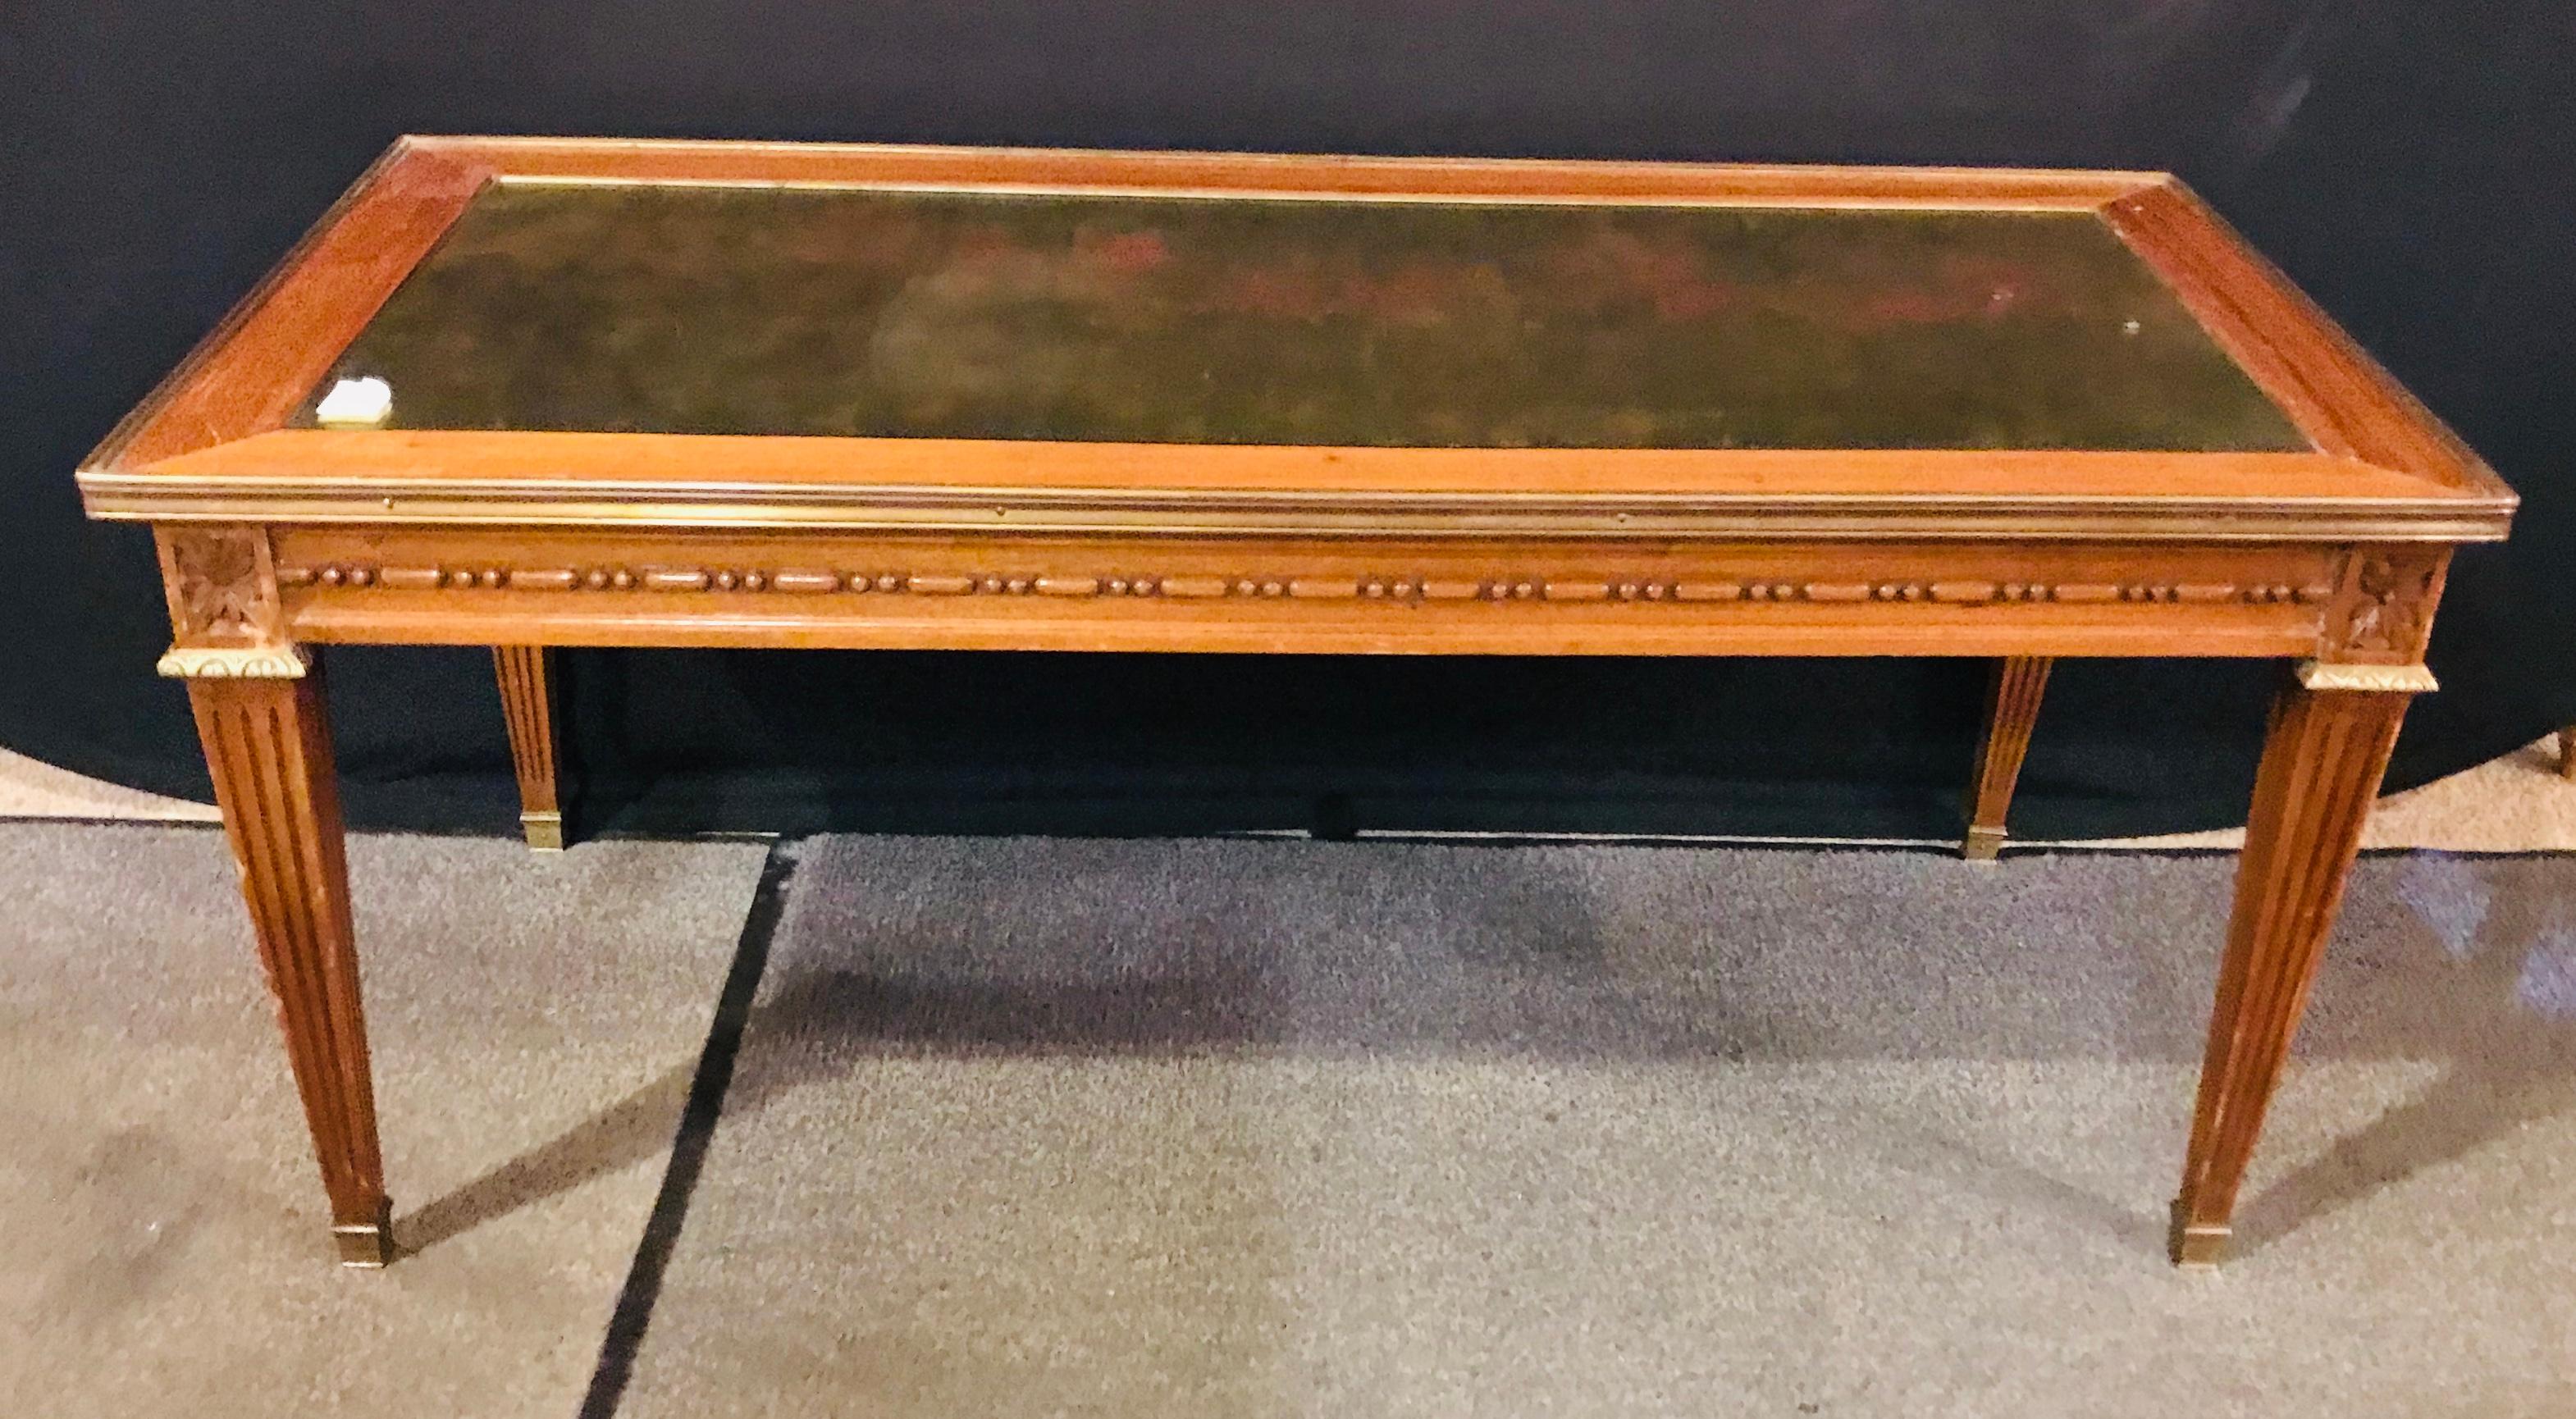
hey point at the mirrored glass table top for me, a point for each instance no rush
(674, 308)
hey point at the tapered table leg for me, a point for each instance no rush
(2322, 759)
(270, 751)
(526, 673)
(2012, 707)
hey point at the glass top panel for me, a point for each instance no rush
(683, 309)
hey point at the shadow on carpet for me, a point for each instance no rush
(1247, 1128)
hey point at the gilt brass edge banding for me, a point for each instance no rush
(1891, 527)
(1936, 202)
(235, 662)
(549, 147)
(118, 496)
(2382, 679)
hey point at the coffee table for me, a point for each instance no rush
(530, 393)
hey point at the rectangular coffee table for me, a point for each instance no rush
(530, 393)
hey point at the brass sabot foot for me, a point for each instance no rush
(366, 1245)
(2196, 1246)
(545, 831)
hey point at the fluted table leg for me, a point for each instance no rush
(2012, 708)
(526, 674)
(269, 748)
(2322, 759)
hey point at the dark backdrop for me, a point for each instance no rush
(2413, 165)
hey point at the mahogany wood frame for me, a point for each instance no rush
(275, 540)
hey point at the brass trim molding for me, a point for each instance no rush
(2375, 679)
(207, 662)
(531, 502)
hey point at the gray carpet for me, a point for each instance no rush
(163, 1245)
(1249, 1129)
(1267, 1128)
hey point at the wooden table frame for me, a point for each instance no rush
(274, 540)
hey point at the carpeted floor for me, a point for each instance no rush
(536, 1023)
(1014, 1127)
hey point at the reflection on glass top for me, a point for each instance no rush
(685, 309)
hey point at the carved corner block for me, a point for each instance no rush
(221, 582)
(226, 620)
(2383, 606)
